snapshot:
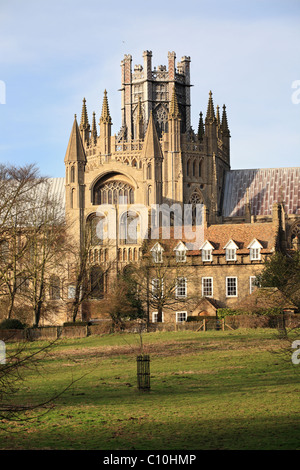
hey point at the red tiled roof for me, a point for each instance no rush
(219, 235)
(242, 235)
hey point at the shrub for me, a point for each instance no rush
(225, 312)
(11, 324)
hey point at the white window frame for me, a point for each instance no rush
(255, 254)
(230, 251)
(157, 256)
(181, 296)
(255, 250)
(212, 286)
(180, 251)
(180, 313)
(206, 251)
(156, 288)
(230, 254)
(154, 317)
(227, 286)
(180, 256)
(71, 291)
(206, 255)
(157, 253)
(251, 282)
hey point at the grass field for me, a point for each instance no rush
(209, 390)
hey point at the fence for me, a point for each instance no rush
(106, 327)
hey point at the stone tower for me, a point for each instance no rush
(156, 157)
(154, 90)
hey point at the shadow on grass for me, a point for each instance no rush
(191, 432)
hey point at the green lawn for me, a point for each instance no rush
(209, 390)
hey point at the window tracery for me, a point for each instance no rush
(114, 192)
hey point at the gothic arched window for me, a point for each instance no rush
(161, 120)
(95, 230)
(200, 168)
(196, 202)
(113, 192)
(72, 174)
(149, 172)
(128, 227)
(188, 164)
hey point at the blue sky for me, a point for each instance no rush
(54, 53)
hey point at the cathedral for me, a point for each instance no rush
(158, 159)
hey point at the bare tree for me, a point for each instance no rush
(161, 281)
(32, 241)
(88, 272)
(16, 186)
(45, 238)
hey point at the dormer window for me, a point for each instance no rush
(157, 253)
(230, 250)
(206, 250)
(254, 253)
(230, 254)
(255, 250)
(206, 255)
(180, 251)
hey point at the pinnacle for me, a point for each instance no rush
(174, 109)
(105, 116)
(201, 128)
(94, 128)
(210, 115)
(84, 123)
(224, 125)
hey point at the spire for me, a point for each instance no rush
(210, 114)
(224, 125)
(84, 123)
(201, 128)
(75, 151)
(105, 116)
(94, 129)
(174, 109)
(151, 147)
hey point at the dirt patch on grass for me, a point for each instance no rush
(166, 349)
